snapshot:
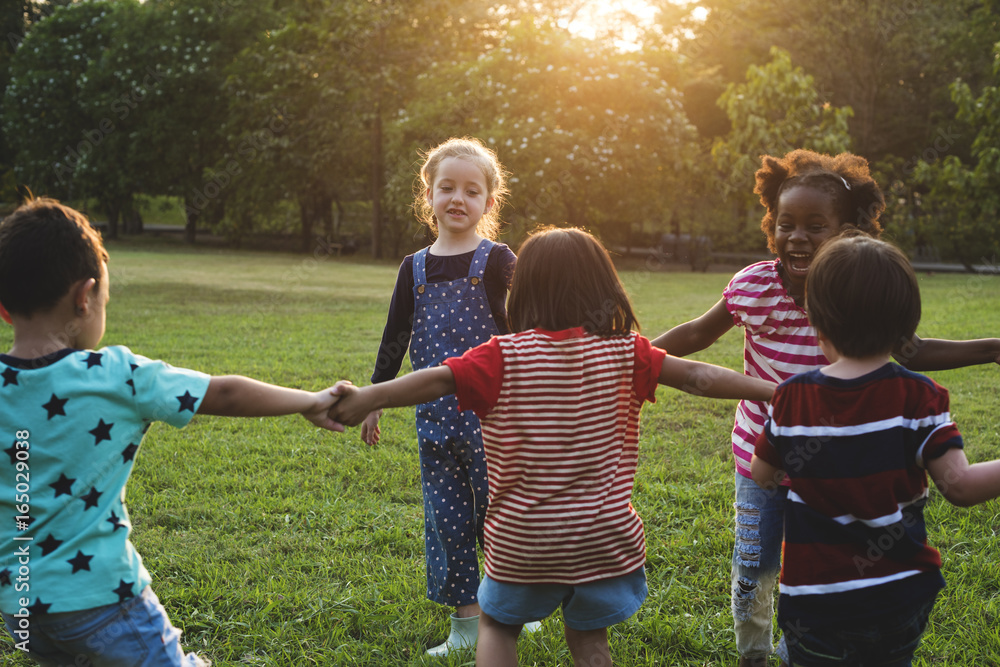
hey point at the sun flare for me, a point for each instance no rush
(593, 19)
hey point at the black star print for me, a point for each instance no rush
(49, 544)
(9, 376)
(63, 487)
(55, 406)
(90, 500)
(128, 454)
(101, 432)
(130, 382)
(124, 590)
(12, 452)
(38, 608)
(5, 577)
(187, 401)
(116, 522)
(80, 562)
(93, 360)
(133, 367)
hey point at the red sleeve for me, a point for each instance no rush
(765, 450)
(478, 376)
(648, 364)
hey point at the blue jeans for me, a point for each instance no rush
(889, 641)
(135, 633)
(760, 521)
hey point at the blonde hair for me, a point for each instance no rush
(475, 151)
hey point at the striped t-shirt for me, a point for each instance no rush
(779, 342)
(856, 452)
(560, 419)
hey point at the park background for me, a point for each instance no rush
(297, 127)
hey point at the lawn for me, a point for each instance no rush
(273, 543)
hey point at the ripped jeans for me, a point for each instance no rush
(760, 518)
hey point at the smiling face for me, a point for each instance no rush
(806, 218)
(459, 197)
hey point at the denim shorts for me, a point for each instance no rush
(889, 641)
(591, 606)
(135, 632)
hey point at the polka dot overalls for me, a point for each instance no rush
(450, 318)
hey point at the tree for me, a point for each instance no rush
(775, 111)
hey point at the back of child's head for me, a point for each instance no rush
(565, 278)
(476, 152)
(45, 247)
(863, 295)
(857, 198)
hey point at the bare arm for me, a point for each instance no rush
(699, 333)
(701, 379)
(423, 386)
(963, 484)
(238, 396)
(935, 354)
(764, 474)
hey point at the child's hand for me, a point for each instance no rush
(355, 404)
(370, 431)
(319, 413)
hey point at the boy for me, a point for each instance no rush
(73, 589)
(857, 439)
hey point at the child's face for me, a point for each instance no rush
(93, 325)
(459, 197)
(806, 219)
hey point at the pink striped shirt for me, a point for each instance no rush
(779, 342)
(560, 419)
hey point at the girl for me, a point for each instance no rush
(559, 402)
(809, 199)
(448, 298)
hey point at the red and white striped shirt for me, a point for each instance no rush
(560, 419)
(779, 343)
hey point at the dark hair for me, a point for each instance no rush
(45, 247)
(845, 177)
(565, 278)
(862, 294)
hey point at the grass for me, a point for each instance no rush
(272, 543)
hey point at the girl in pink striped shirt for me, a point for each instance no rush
(559, 404)
(809, 198)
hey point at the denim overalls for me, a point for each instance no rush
(450, 318)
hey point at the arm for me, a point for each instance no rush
(963, 484)
(699, 333)
(238, 396)
(701, 379)
(766, 476)
(934, 354)
(423, 386)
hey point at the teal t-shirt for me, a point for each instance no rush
(74, 421)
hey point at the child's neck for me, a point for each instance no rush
(849, 368)
(455, 244)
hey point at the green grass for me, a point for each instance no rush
(273, 543)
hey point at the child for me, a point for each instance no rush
(73, 589)
(448, 298)
(809, 199)
(857, 438)
(559, 403)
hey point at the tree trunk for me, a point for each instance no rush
(192, 214)
(306, 206)
(112, 210)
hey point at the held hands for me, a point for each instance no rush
(355, 405)
(322, 409)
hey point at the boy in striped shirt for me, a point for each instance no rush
(856, 439)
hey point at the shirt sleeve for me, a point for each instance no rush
(166, 393)
(648, 365)
(765, 449)
(478, 377)
(943, 435)
(398, 327)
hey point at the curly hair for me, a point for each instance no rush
(845, 177)
(475, 151)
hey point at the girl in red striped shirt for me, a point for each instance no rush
(559, 402)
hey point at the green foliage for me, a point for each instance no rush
(961, 208)
(775, 111)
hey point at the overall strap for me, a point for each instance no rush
(419, 264)
(478, 266)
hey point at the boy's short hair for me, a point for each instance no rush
(863, 295)
(45, 247)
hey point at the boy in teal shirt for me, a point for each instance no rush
(72, 586)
